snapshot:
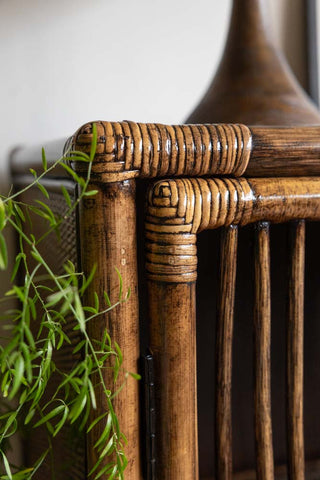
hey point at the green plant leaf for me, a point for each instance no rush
(56, 411)
(74, 175)
(7, 466)
(94, 142)
(105, 470)
(119, 352)
(44, 160)
(86, 282)
(107, 299)
(106, 431)
(61, 423)
(136, 376)
(3, 253)
(113, 473)
(79, 312)
(96, 301)
(29, 336)
(47, 212)
(95, 421)
(90, 310)
(79, 346)
(128, 294)
(76, 157)
(19, 212)
(79, 405)
(92, 394)
(5, 384)
(27, 361)
(29, 416)
(66, 196)
(48, 357)
(2, 215)
(120, 283)
(18, 376)
(21, 256)
(90, 193)
(33, 172)
(11, 422)
(43, 190)
(80, 154)
(108, 448)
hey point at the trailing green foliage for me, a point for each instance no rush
(35, 330)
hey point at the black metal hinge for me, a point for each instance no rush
(150, 416)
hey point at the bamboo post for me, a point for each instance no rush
(108, 239)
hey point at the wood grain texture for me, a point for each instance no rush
(262, 335)
(295, 434)
(280, 472)
(254, 84)
(173, 345)
(224, 338)
(108, 240)
(128, 149)
(284, 151)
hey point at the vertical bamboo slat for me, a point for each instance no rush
(262, 333)
(228, 261)
(295, 329)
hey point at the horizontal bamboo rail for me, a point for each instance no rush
(129, 149)
(179, 209)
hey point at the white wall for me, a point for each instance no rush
(65, 62)
(70, 61)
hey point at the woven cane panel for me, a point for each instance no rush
(68, 447)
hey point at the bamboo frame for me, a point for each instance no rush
(177, 210)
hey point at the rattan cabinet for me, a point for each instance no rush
(191, 179)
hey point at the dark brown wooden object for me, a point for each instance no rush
(228, 265)
(262, 335)
(183, 208)
(254, 84)
(295, 328)
(127, 150)
(152, 150)
(108, 240)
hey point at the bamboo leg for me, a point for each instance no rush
(173, 344)
(224, 353)
(108, 238)
(172, 272)
(262, 328)
(295, 434)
